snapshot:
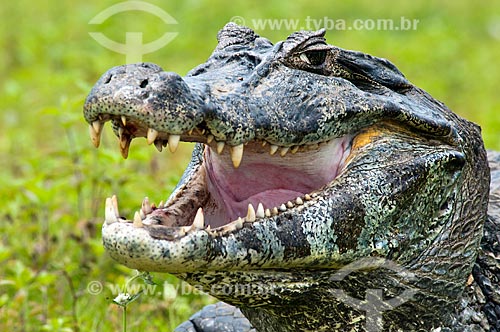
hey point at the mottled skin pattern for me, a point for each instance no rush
(413, 190)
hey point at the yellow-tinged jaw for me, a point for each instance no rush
(367, 136)
(370, 134)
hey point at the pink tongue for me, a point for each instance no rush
(257, 179)
(266, 179)
(270, 185)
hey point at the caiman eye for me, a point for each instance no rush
(314, 58)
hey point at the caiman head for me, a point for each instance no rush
(308, 158)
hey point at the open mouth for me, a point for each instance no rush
(229, 186)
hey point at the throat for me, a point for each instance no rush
(270, 180)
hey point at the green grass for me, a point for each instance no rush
(53, 182)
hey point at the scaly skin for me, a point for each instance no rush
(373, 172)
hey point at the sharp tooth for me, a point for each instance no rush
(294, 149)
(282, 207)
(109, 212)
(143, 215)
(173, 142)
(275, 211)
(210, 139)
(95, 136)
(121, 130)
(146, 206)
(236, 155)
(220, 147)
(272, 149)
(152, 135)
(199, 220)
(125, 145)
(299, 201)
(97, 125)
(202, 131)
(124, 120)
(251, 213)
(190, 132)
(160, 205)
(307, 197)
(114, 203)
(158, 145)
(124, 140)
(289, 204)
(264, 143)
(260, 211)
(238, 223)
(267, 213)
(137, 219)
(283, 151)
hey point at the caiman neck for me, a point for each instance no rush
(373, 299)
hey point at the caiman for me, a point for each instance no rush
(325, 191)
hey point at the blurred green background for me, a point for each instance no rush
(53, 182)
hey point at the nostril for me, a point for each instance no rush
(144, 83)
(108, 79)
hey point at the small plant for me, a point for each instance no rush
(124, 298)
